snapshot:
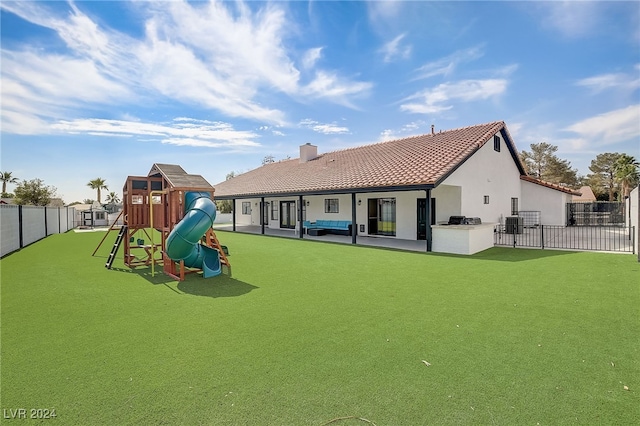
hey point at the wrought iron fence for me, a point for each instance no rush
(597, 238)
(598, 213)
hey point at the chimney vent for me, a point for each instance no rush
(308, 152)
(433, 129)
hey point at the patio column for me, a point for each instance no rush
(262, 215)
(300, 224)
(428, 220)
(354, 226)
(233, 213)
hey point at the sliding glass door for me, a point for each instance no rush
(382, 216)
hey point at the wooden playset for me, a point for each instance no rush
(166, 208)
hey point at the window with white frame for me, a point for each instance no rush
(331, 205)
(246, 207)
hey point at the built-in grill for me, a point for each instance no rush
(456, 220)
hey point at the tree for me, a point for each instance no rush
(230, 175)
(112, 198)
(542, 163)
(6, 178)
(87, 201)
(34, 192)
(268, 159)
(224, 206)
(626, 173)
(97, 184)
(602, 179)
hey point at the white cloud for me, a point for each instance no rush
(311, 56)
(392, 49)
(609, 128)
(570, 18)
(440, 98)
(181, 131)
(409, 129)
(326, 129)
(602, 82)
(329, 85)
(225, 57)
(447, 65)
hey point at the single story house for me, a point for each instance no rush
(408, 189)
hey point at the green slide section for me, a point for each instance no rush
(183, 242)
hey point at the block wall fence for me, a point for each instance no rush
(24, 225)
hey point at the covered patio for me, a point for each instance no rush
(363, 240)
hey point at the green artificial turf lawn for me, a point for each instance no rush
(307, 332)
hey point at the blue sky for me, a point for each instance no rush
(106, 89)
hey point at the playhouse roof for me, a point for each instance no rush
(415, 162)
(178, 178)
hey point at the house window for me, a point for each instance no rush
(331, 205)
(496, 144)
(514, 207)
(486, 199)
(246, 207)
(274, 210)
(100, 216)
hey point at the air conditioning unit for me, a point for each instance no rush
(514, 225)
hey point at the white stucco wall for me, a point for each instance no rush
(551, 204)
(491, 173)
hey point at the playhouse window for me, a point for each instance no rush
(331, 205)
(246, 207)
(137, 199)
(156, 199)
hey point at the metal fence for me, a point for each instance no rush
(23, 225)
(598, 213)
(597, 238)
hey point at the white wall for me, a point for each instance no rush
(34, 217)
(490, 173)
(33, 224)
(448, 202)
(9, 229)
(551, 204)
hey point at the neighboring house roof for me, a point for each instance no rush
(550, 185)
(7, 201)
(587, 195)
(177, 177)
(417, 162)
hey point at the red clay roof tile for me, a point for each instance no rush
(417, 160)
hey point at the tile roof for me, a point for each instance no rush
(550, 185)
(410, 162)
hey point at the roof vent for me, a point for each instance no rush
(433, 129)
(308, 152)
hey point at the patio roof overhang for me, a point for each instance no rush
(363, 190)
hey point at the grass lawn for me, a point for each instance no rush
(307, 332)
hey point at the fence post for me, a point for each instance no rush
(20, 233)
(542, 236)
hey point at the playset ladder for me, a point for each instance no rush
(116, 246)
(213, 242)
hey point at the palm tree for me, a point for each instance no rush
(626, 173)
(113, 198)
(6, 178)
(98, 184)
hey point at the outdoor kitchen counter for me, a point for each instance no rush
(462, 239)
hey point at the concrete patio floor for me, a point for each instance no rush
(363, 240)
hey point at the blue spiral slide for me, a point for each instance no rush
(183, 242)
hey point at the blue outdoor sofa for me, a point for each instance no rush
(321, 227)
